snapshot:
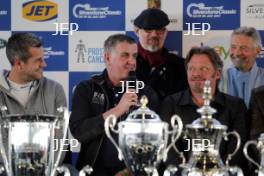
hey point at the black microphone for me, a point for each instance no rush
(132, 78)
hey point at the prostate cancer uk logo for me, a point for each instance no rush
(40, 10)
(198, 10)
(86, 11)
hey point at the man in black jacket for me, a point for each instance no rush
(163, 71)
(257, 112)
(204, 64)
(95, 99)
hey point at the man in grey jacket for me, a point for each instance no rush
(24, 89)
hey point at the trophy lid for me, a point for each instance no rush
(206, 120)
(143, 113)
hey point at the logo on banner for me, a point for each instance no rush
(95, 55)
(86, 11)
(255, 11)
(2, 43)
(195, 10)
(80, 50)
(3, 12)
(48, 52)
(40, 10)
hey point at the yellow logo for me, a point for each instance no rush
(40, 10)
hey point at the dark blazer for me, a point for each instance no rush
(256, 108)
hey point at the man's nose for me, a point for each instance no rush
(43, 63)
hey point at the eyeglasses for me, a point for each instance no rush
(158, 31)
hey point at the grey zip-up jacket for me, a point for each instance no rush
(46, 97)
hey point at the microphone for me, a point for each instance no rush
(132, 85)
(132, 79)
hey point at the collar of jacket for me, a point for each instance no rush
(186, 98)
(100, 79)
(4, 84)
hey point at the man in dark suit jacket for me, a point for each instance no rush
(257, 112)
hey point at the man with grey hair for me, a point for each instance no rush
(244, 75)
(95, 99)
(203, 63)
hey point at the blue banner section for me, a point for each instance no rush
(221, 14)
(5, 17)
(98, 15)
(74, 79)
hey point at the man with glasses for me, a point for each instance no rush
(163, 71)
(244, 75)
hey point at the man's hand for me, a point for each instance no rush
(127, 100)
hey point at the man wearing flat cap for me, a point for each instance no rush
(163, 71)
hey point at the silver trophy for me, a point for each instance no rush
(27, 143)
(260, 146)
(207, 134)
(143, 139)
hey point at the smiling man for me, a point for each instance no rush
(244, 75)
(24, 90)
(203, 63)
(95, 99)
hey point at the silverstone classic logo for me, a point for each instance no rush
(40, 10)
(201, 11)
(86, 11)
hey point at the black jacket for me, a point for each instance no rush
(231, 111)
(90, 101)
(167, 79)
(257, 112)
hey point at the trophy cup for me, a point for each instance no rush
(27, 143)
(208, 133)
(143, 139)
(260, 146)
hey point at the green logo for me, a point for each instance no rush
(2, 43)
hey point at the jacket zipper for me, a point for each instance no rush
(101, 141)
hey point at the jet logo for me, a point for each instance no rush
(40, 10)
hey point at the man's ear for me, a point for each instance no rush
(136, 30)
(106, 57)
(17, 62)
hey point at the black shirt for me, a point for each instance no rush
(231, 111)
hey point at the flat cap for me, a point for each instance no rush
(152, 18)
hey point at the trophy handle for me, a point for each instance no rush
(63, 170)
(170, 170)
(86, 170)
(151, 171)
(175, 135)
(66, 118)
(6, 167)
(110, 122)
(229, 156)
(245, 150)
